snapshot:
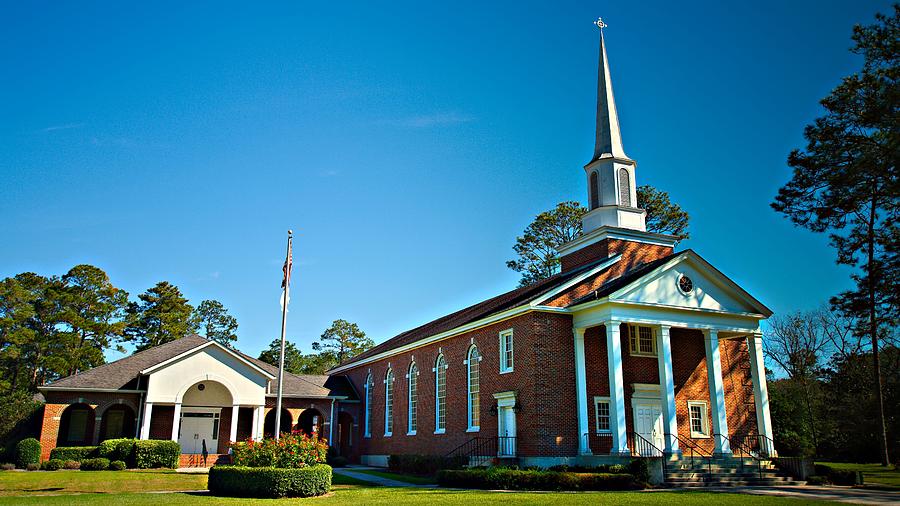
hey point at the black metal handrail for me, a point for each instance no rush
(642, 448)
(606, 442)
(740, 447)
(695, 451)
(481, 449)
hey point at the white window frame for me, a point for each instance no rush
(412, 407)
(389, 402)
(440, 362)
(634, 351)
(704, 419)
(507, 366)
(471, 412)
(370, 386)
(597, 401)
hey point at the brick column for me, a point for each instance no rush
(667, 389)
(581, 393)
(716, 392)
(616, 389)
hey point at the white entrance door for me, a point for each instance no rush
(197, 428)
(506, 444)
(648, 423)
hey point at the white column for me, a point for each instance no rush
(667, 389)
(584, 447)
(716, 392)
(760, 392)
(254, 434)
(259, 421)
(145, 423)
(176, 421)
(235, 411)
(616, 389)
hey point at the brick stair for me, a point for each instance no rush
(196, 459)
(724, 472)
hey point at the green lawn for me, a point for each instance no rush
(405, 478)
(873, 474)
(127, 488)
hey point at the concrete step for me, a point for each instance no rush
(688, 478)
(757, 483)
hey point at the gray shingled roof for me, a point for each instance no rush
(123, 373)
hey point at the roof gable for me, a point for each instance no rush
(240, 357)
(712, 290)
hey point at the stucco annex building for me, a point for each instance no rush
(631, 346)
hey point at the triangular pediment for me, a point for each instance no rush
(710, 289)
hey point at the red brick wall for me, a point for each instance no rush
(543, 351)
(161, 420)
(57, 402)
(633, 253)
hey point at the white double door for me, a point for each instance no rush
(648, 422)
(197, 428)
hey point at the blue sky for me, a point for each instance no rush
(407, 144)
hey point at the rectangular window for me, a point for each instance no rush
(641, 340)
(506, 351)
(601, 405)
(699, 420)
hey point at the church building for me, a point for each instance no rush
(633, 348)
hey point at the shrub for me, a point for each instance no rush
(28, 451)
(269, 482)
(338, 461)
(98, 464)
(513, 479)
(603, 468)
(72, 464)
(118, 449)
(290, 451)
(117, 465)
(640, 469)
(156, 453)
(839, 476)
(7, 466)
(52, 465)
(817, 480)
(34, 466)
(77, 453)
(424, 464)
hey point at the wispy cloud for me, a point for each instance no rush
(431, 120)
(329, 173)
(67, 126)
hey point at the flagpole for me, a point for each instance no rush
(287, 291)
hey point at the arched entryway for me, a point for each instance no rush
(76, 426)
(344, 436)
(310, 422)
(117, 422)
(269, 424)
(200, 429)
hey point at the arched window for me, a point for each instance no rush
(624, 188)
(595, 190)
(474, 387)
(440, 394)
(370, 388)
(389, 402)
(413, 399)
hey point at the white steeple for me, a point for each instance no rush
(612, 191)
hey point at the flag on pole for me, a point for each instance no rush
(288, 264)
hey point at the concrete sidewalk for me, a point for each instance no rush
(833, 493)
(350, 472)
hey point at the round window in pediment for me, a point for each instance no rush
(201, 387)
(685, 284)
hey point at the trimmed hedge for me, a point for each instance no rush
(117, 465)
(156, 453)
(269, 482)
(828, 474)
(76, 453)
(118, 449)
(98, 464)
(72, 465)
(424, 464)
(28, 451)
(497, 478)
(52, 465)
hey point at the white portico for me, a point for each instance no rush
(201, 384)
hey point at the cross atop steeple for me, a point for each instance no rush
(600, 24)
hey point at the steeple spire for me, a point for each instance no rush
(609, 138)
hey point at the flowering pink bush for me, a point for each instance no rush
(291, 451)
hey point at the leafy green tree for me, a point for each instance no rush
(15, 334)
(93, 311)
(162, 315)
(45, 357)
(536, 248)
(663, 215)
(294, 361)
(845, 182)
(213, 322)
(342, 340)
